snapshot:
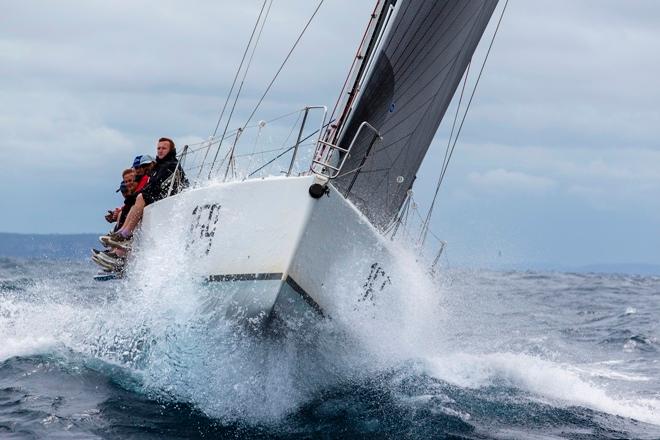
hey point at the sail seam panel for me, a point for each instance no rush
(407, 96)
(404, 56)
(419, 157)
(425, 58)
(396, 123)
(400, 107)
(398, 24)
(413, 36)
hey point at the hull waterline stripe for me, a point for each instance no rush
(305, 296)
(246, 277)
(267, 277)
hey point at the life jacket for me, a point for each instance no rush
(142, 183)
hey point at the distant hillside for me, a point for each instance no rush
(604, 268)
(74, 246)
(77, 246)
(631, 268)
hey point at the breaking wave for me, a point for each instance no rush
(446, 355)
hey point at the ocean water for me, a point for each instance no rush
(479, 355)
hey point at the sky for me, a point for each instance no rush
(558, 162)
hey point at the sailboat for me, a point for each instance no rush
(313, 243)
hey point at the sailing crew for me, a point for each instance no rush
(127, 187)
(161, 179)
(113, 259)
(143, 165)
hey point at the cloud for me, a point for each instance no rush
(566, 110)
(613, 179)
(56, 131)
(575, 74)
(501, 180)
(622, 166)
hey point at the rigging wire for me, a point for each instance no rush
(214, 140)
(445, 162)
(357, 57)
(208, 143)
(240, 88)
(271, 161)
(288, 149)
(283, 64)
(226, 156)
(394, 227)
(262, 152)
(238, 71)
(460, 127)
(240, 66)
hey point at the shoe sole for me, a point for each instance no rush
(102, 239)
(123, 245)
(110, 260)
(106, 277)
(108, 268)
(102, 263)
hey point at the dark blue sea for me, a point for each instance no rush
(472, 355)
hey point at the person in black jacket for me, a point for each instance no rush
(159, 178)
(160, 181)
(127, 188)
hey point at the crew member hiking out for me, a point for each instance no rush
(112, 260)
(143, 166)
(129, 194)
(128, 189)
(160, 180)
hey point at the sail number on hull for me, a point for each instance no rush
(376, 281)
(202, 228)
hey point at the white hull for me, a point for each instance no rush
(273, 248)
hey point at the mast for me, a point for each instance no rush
(414, 60)
(355, 76)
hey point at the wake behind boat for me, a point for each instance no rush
(284, 245)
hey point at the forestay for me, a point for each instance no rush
(414, 63)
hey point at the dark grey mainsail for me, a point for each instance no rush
(417, 61)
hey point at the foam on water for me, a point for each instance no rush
(16, 346)
(156, 325)
(560, 384)
(202, 357)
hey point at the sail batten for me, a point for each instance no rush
(413, 74)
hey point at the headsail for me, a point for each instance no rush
(415, 62)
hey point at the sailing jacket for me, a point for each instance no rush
(142, 183)
(129, 201)
(160, 179)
